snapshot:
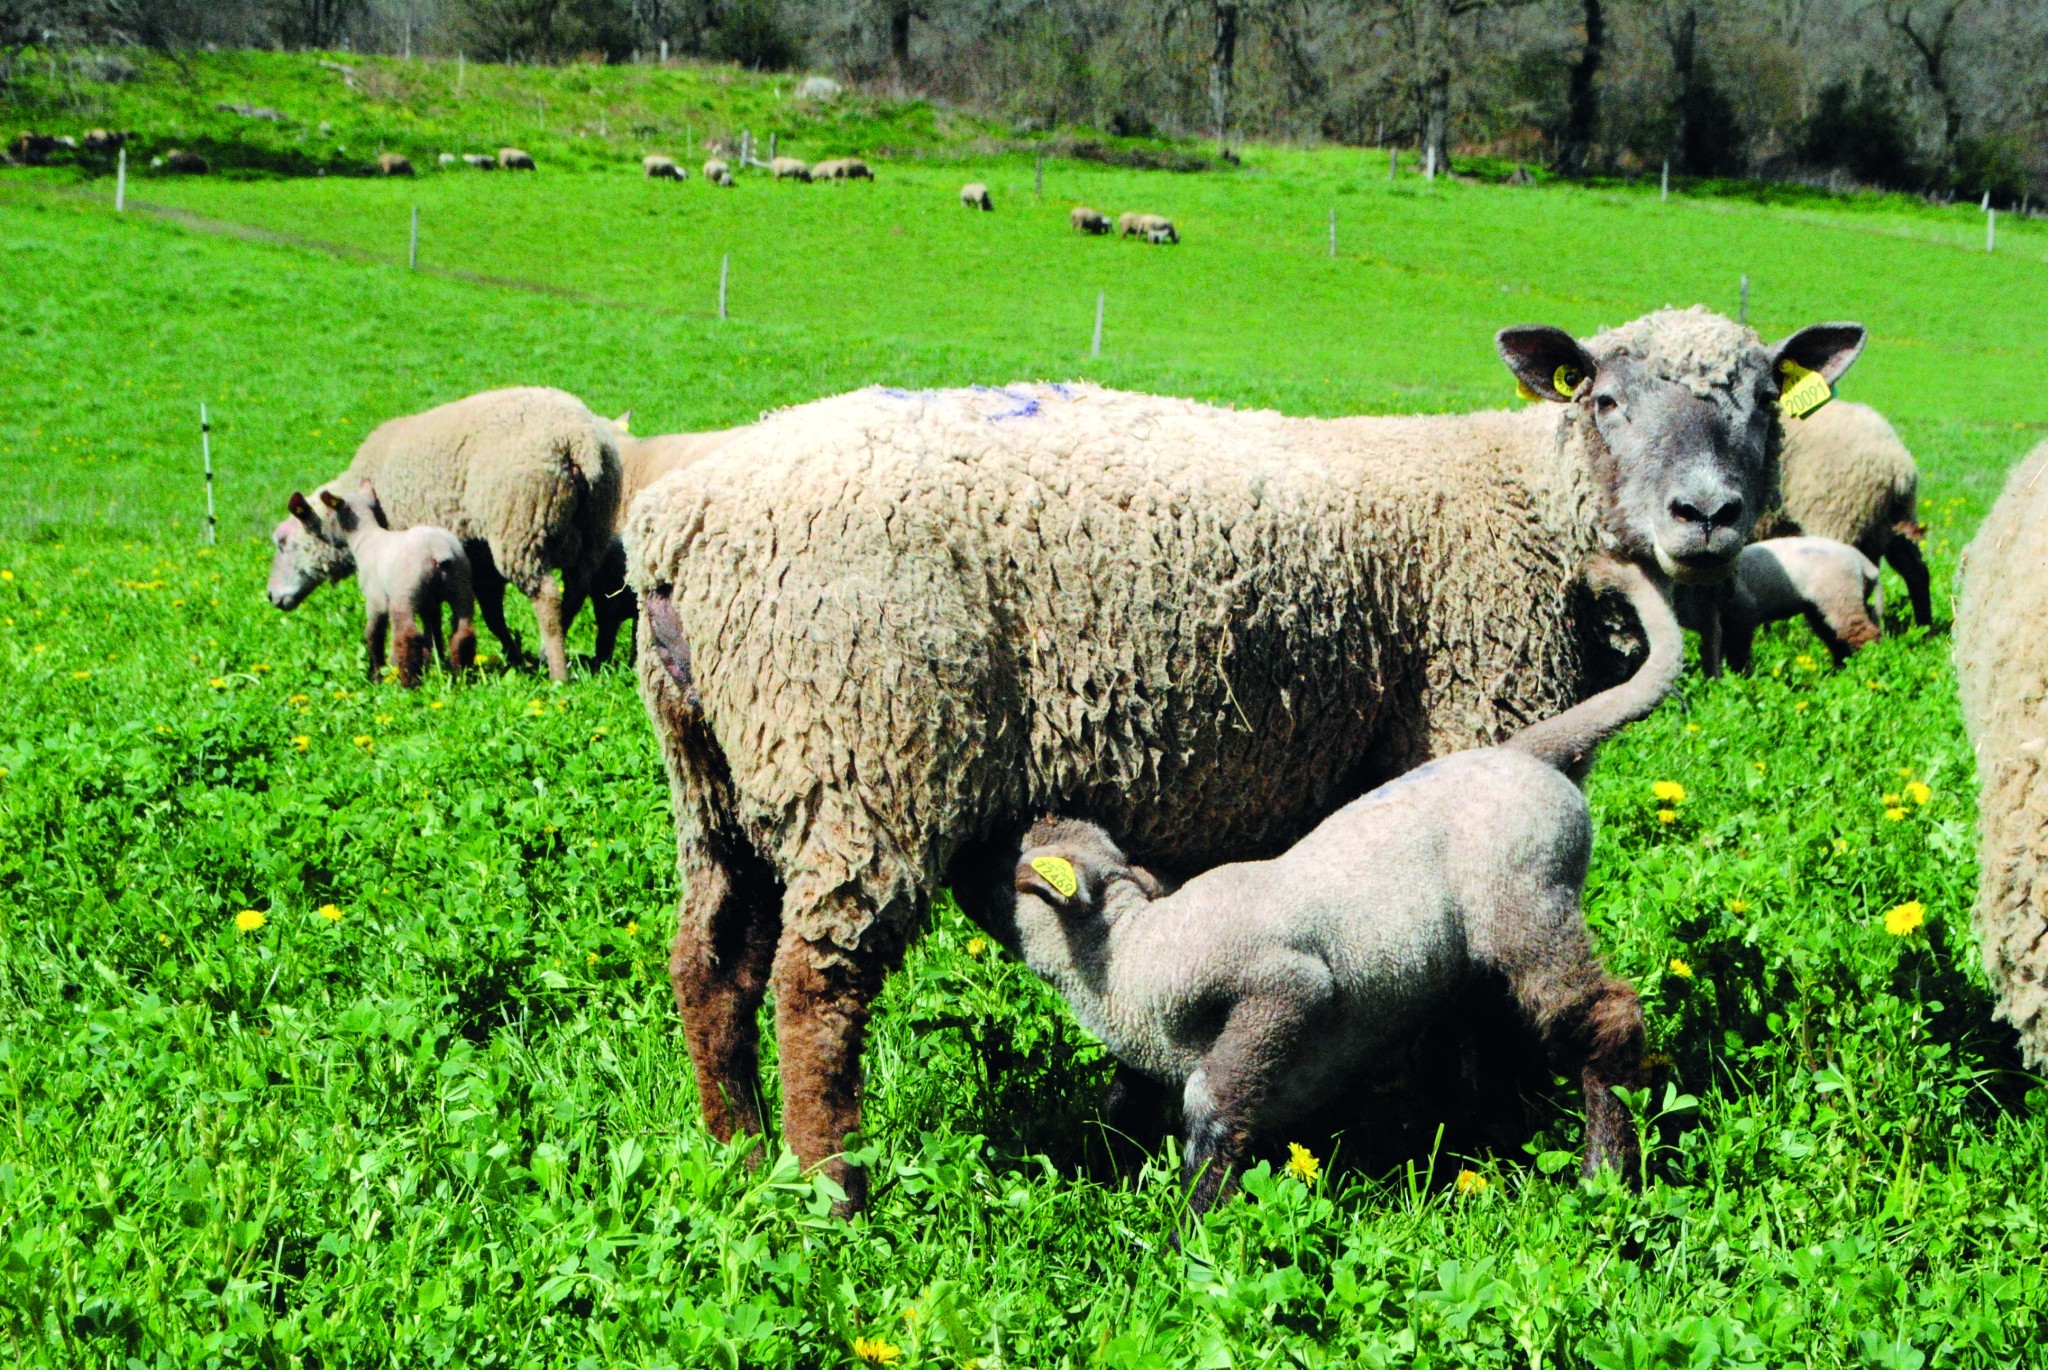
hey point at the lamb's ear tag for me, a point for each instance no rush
(1522, 389)
(1058, 873)
(1564, 380)
(1804, 391)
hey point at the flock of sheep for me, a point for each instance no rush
(1250, 734)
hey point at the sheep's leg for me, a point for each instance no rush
(1227, 1092)
(575, 590)
(547, 608)
(1134, 1114)
(1737, 641)
(718, 967)
(614, 609)
(490, 604)
(409, 646)
(1838, 649)
(1904, 556)
(373, 643)
(823, 998)
(1711, 629)
(461, 650)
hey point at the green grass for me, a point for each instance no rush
(455, 1125)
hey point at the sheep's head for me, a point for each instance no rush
(311, 551)
(1066, 870)
(1680, 409)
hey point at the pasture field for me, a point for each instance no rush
(334, 1027)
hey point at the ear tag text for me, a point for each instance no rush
(1058, 873)
(1804, 392)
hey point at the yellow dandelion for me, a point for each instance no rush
(218, 683)
(342, 694)
(1692, 727)
(6, 575)
(248, 920)
(1905, 772)
(876, 1351)
(1667, 816)
(302, 742)
(163, 939)
(260, 668)
(1877, 684)
(976, 946)
(331, 912)
(1799, 707)
(1894, 814)
(591, 959)
(1841, 846)
(1805, 662)
(1759, 766)
(363, 739)
(1906, 917)
(536, 708)
(1919, 792)
(1301, 1165)
(299, 699)
(1471, 1182)
(1738, 906)
(632, 927)
(438, 704)
(1680, 969)
(1891, 801)
(81, 675)
(1668, 792)
(383, 719)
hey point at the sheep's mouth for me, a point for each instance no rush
(1698, 568)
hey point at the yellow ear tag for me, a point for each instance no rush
(1522, 389)
(1058, 873)
(1804, 392)
(1564, 380)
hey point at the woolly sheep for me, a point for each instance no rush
(790, 168)
(482, 161)
(1261, 991)
(2001, 655)
(882, 630)
(1848, 477)
(974, 195)
(407, 578)
(515, 159)
(32, 149)
(1159, 236)
(392, 164)
(449, 159)
(105, 142)
(656, 167)
(842, 169)
(1831, 584)
(184, 163)
(1086, 220)
(528, 478)
(717, 172)
(1144, 226)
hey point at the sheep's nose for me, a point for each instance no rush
(1709, 511)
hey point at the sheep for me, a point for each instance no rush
(105, 142)
(393, 164)
(1834, 586)
(1159, 236)
(842, 169)
(515, 159)
(32, 149)
(656, 167)
(974, 195)
(407, 578)
(482, 161)
(180, 162)
(448, 159)
(1144, 226)
(528, 478)
(1260, 990)
(1848, 477)
(1086, 220)
(2001, 657)
(879, 630)
(717, 172)
(790, 168)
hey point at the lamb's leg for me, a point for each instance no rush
(1711, 629)
(547, 608)
(373, 643)
(1737, 634)
(614, 608)
(1904, 556)
(1227, 1093)
(490, 604)
(461, 659)
(1134, 1116)
(718, 968)
(409, 646)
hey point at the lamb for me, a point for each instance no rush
(2001, 657)
(717, 172)
(528, 478)
(182, 163)
(1834, 586)
(407, 578)
(393, 164)
(1260, 990)
(482, 161)
(1086, 220)
(974, 195)
(515, 159)
(881, 631)
(790, 168)
(1848, 477)
(1159, 236)
(656, 167)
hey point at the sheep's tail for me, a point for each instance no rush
(1569, 738)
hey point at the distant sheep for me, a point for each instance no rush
(1831, 584)
(528, 478)
(392, 164)
(656, 167)
(820, 88)
(1086, 220)
(2001, 655)
(790, 168)
(449, 159)
(482, 161)
(1145, 226)
(842, 169)
(717, 172)
(105, 142)
(1158, 236)
(182, 163)
(32, 149)
(515, 159)
(1848, 477)
(974, 195)
(407, 578)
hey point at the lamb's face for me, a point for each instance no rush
(1064, 875)
(310, 552)
(1681, 412)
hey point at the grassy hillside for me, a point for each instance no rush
(436, 1107)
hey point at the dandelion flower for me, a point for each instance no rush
(535, 708)
(1471, 1182)
(1891, 801)
(1905, 772)
(632, 927)
(1877, 684)
(260, 668)
(1692, 727)
(1667, 816)
(331, 912)
(81, 675)
(438, 704)
(1680, 969)
(1894, 814)
(1906, 917)
(299, 699)
(363, 739)
(1301, 1165)
(1759, 766)
(1799, 707)
(1668, 792)
(1841, 846)
(383, 718)
(1738, 906)
(976, 946)
(163, 939)
(1805, 662)
(302, 742)
(218, 683)
(248, 920)
(1919, 792)
(876, 1351)
(6, 575)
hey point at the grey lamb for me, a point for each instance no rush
(1831, 584)
(407, 577)
(1261, 989)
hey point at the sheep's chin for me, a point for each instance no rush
(1690, 575)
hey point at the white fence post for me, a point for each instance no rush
(206, 456)
(724, 270)
(121, 181)
(412, 247)
(1664, 190)
(1095, 348)
(1991, 230)
(1743, 317)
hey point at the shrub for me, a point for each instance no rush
(755, 34)
(1861, 129)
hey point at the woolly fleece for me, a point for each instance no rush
(1847, 476)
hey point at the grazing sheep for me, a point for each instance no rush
(32, 149)
(1262, 990)
(2001, 656)
(449, 159)
(393, 164)
(790, 168)
(1848, 477)
(974, 195)
(822, 88)
(717, 172)
(407, 578)
(482, 161)
(1834, 586)
(882, 630)
(1144, 226)
(842, 169)
(515, 159)
(105, 142)
(528, 478)
(1086, 220)
(1158, 236)
(656, 167)
(183, 163)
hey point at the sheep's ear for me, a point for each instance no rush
(624, 422)
(1050, 878)
(1548, 362)
(330, 499)
(303, 511)
(1828, 348)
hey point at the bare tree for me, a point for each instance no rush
(1433, 63)
(1930, 40)
(1582, 97)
